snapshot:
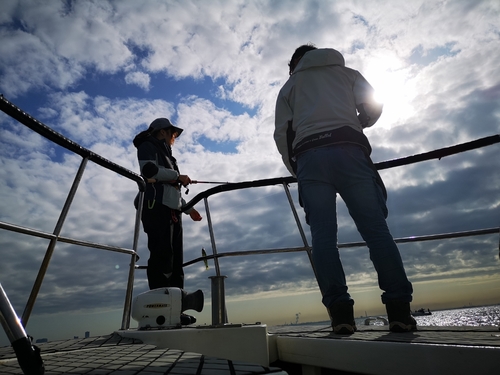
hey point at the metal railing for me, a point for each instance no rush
(88, 155)
(285, 181)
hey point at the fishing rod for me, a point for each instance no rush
(206, 182)
(210, 182)
(152, 181)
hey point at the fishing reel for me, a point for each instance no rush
(162, 308)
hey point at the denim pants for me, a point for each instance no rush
(345, 169)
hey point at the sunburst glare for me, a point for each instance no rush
(394, 87)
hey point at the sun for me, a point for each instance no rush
(394, 87)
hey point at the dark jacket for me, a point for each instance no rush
(156, 162)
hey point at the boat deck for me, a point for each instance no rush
(115, 355)
(430, 350)
(485, 336)
(375, 350)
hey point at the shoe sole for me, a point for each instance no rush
(401, 327)
(344, 329)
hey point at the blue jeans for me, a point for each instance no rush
(345, 169)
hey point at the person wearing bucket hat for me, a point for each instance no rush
(164, 123)
(162, 208)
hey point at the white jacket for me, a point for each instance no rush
(322, 95)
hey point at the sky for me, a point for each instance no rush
(99, 72)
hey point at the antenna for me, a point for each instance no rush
(297, 318)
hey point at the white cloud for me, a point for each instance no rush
(90, 120)
(27, 64)
(138, 78)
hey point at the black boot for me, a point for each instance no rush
(399, 315)
(342, 314)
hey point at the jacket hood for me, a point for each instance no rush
(320, 57)
(145, 136)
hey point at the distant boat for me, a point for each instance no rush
(421, 312)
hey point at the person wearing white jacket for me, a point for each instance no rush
(321, 112)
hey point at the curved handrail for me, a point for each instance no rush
(430, 237)
(57, 138)
(435, 154)
(440, 153)
(51, 236)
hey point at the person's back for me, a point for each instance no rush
(320, 115)
(323, 96)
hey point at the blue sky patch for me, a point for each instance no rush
(161, 87)
(226, 147)
(425, 57)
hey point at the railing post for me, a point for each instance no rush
(299, 225)
(302, 234)
(52, 244)
(127, 307)
(295, 215)
(212, 237)
(27, 355)
(219, 314)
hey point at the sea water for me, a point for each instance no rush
(466, 316)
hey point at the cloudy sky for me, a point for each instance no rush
(99, 72)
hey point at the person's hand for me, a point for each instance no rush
(195, 215)
(184, 180)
